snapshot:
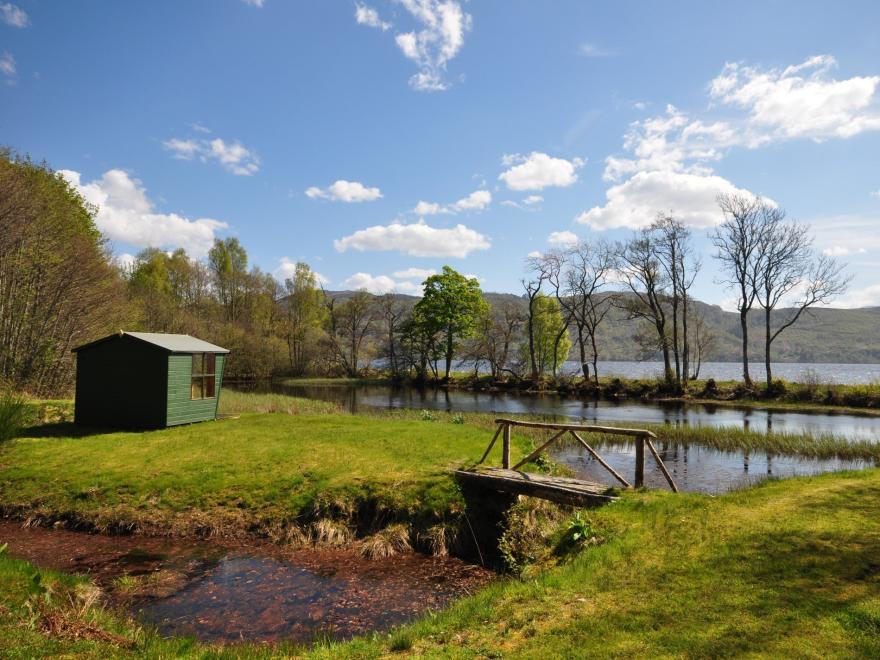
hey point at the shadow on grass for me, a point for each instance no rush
(66, 430)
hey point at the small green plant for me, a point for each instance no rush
(578, 533)
(428, 416)
(13, 415)
(458, 418)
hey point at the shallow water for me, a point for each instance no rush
(362, 397)
(227, 592)
(695, 468)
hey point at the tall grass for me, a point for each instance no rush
(13, 415)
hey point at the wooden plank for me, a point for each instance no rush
(491, 444)
(640, 461)
(505, 458)
(599, 458)
(662, 466)
(537, 452)
(555, 489)
(610, 430)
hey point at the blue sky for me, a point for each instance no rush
(378, 141)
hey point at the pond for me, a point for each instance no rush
(695, 467)
(230, 592)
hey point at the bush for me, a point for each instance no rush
(13, 415)
(710, 389)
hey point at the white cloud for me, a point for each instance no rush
(868, 296)
(800, 101)
(345, 191)
(7, 65)
(380, 284)
(524, 205)
(634, 203)
(233, 156)
(255, 3)
(562, 238)
(429, 208)
(592, 50)
(125, 214)
(476, 201)
(125, 261)
(537, 171)
(415, 273)
(365, 15)
(876, 193)
(842, 251)
(479, 200)
(287, 268)
(12, 15)
(535, 254)
(533, 199)
(417, 240)
(438, 39)
(198, 128)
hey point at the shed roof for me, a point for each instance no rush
(169, 342)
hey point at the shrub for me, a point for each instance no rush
(428, 416)
(458, 418)
(710, 389)
(13, 415)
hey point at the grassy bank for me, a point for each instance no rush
(788, 568)
(275, 475)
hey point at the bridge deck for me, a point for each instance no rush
(556, 489)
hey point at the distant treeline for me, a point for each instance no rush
(591, 301)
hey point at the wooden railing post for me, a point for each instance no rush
(640, 461)
(505, 459)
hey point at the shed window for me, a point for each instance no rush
(203, 376)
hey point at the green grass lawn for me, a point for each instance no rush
(785, 569)
(235, 475)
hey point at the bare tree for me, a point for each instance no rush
(393, 311)
(648, 283)
(497, 332)
(675, 254)
(704, 341)
(538, 267)
(738, 241)
(588, 267)
(786, 263)
(350, 323)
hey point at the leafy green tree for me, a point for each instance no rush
(305, 315)
(451, 306)
(228, 262)
(552, 343)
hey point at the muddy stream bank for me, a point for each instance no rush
(218, 591)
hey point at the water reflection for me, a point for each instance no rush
(697, 468)
(360, 397)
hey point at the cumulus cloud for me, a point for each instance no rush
(439, 37)
(365, 15)
(380, 284)
(799, 101)
(126, 214)
(562, 238)
(479, 200)
(868, 296)
(537, 171)
(415, 273)
(634, 203)
(13, 15)
(876, 193)
(232, 156)
(287, 268)
(345, 191)
(842, 251)
(255, 3)
(417, 240)
(7, 66)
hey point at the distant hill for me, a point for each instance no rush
(821, 335)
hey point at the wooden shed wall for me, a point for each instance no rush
(121, 382)
(181, 407)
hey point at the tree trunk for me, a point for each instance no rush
(743, 322)
(448, 351)
(585, 368)
(767, 341)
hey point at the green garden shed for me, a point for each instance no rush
(147, 380)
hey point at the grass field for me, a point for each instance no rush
(786, 569)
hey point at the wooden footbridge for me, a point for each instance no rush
(578, 492)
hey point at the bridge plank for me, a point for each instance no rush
(562, 490)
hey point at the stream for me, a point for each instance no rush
(227, 592)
